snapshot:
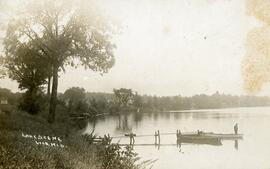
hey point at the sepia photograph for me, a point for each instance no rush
(134, 84)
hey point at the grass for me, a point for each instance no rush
(19, 152)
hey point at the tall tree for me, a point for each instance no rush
(124, 97)
(65, 33)
(24, 67)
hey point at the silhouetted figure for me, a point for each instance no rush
(235, 128)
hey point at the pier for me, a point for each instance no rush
(198, 137)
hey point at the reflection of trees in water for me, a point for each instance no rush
(213, 115)
(167, 115)
(93, 123)
(177, 116)
(123, 124)
(181, 115)
(80, 124)
(155, 116)
(200, 115)
(137, 118)
(101, 118)
(149, 115)
(75, 126)
(90, 125)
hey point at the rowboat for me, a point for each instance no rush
(198, 139)
(224, 136)
(207, 138)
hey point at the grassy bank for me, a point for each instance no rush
(20, 152)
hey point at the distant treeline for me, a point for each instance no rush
(202, 101)
(124, 100)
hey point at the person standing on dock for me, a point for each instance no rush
(236, 128)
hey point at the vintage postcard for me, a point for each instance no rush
(135, 84)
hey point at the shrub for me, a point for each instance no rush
(32, 101)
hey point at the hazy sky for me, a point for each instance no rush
(171, 47)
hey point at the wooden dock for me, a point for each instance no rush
(198, 137)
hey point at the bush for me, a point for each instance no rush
(79, 152)
(113, 156)
(32, 102)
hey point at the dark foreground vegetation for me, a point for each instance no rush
(79, 151)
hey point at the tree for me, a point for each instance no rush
(5, 93)
(124, 97)
(2, 70)
(65, 33)
(138, 101)
(24, 67)
(27, 69)
(74, 98)
(32, 102)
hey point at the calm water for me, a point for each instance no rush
(253, 152)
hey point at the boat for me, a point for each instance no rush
(130, 134)
(198, 139)
(224, 136)
(207, 138)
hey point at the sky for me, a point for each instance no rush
(176, 47)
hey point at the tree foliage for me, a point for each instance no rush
(32, 101)
(124, 97)
(63, 33)
(148, 103)
(75, 99)
(12, 98)
(24, 66)
(28, 70)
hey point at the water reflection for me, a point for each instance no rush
(123, 124)
(176, 116)
(137, 118)
(94, 122)
(213, 142)
(212, 115)
(179, 146)
(216, 121)
(166, 115)
(126, 122)
(156, 116)
(236, 144)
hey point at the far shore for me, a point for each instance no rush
(213, 110)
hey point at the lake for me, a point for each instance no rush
(250, 153)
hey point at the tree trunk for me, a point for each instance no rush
(53, 100)
(49, 86)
